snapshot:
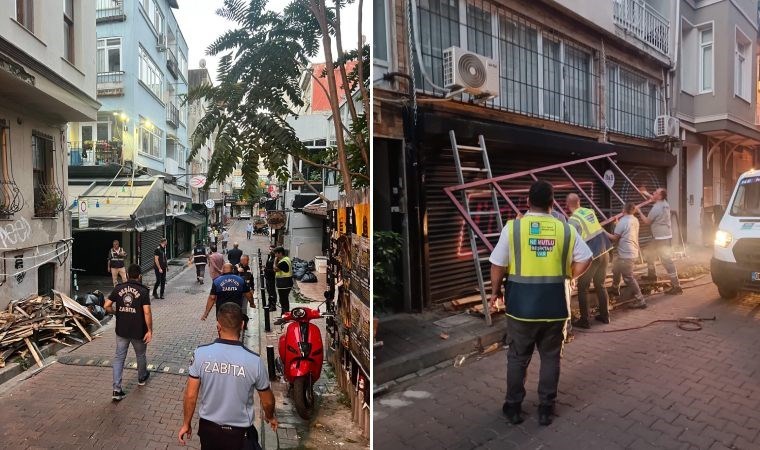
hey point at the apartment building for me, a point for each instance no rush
(47, 78)
(568, 80)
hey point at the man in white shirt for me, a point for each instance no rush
(662, 231)
(626, 234)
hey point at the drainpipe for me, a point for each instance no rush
(674, 65)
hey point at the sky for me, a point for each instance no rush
(201, 25)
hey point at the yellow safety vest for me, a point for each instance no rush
(283, 279)
(587, 222)
(540, 255)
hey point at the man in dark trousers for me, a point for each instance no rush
(540, 254)
(225, 375)
(130, 303)
(199, 258)
(283, 277)
(244, 271)
(233, 256)
(160, 266)
(228, 287)
(269, 278)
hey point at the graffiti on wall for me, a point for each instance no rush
(14, 233)
(19, 264)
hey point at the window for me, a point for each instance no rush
(182, 64)
(705, 60)
(109, 55)
(479, 31)
(742, 66)
(633, 102)
(150, 139)
(42, 160)
(439, 30)
(380, 50)
(149, 74)
(46, 279)
(68, 30)
(747, 199)
(25, 13)
(154, 15)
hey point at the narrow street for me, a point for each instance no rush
(68, 404)
(656, 387)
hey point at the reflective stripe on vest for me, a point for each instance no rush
(588, 223)
(115, 255)
(540, 263)
(289, 273)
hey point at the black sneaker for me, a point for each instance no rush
(118, 395)
(602, 319)
(581, 323)
(141, 381)
(674, 291)
(513, 411)
(641, 305)
(545, 413)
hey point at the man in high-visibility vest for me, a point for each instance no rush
(283, 277)
(585, 222)
(540, 254)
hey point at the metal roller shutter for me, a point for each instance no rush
(647, 177)
(149, 240)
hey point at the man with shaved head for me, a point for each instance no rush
(228, 287)
(584, 220)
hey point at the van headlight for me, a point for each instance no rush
(723, 238)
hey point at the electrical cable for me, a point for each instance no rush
(36, 265)
(56, 243)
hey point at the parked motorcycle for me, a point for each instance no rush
(301, 356)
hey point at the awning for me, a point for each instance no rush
(117, 206)
(176, 193)
(319, 210)
(192, 218)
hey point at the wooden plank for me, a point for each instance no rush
(81, 328)
(33, 352)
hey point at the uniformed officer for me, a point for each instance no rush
(228, 287)
(199, 258)
(116, 256)
(585, 222)
(283, 277)
(224, 375)
(160, 267)
(540, 254)
(270, 279)
(130, 302)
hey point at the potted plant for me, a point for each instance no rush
(50, 201)
(87, 145)
(386, 269)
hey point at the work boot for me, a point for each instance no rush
(545, 413)
(513, 411)
(641, 304)
(650, 276)
(603, 319)
(581, 323)
(614, 291)
(675, 290)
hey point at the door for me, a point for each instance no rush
(694, 201)
(91, 134)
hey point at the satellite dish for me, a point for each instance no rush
(202, 63)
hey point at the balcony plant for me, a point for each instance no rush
(87, 145)
(50, 202)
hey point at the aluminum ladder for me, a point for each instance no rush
(480, 244)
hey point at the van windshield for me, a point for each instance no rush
(747, 200)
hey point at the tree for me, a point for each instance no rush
(259, 85)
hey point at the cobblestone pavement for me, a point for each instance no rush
(657, 387)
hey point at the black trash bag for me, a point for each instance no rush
(97, 311)
(90, 300)
(298, 273)
(309, 277)
(80, 299)
(101, 299)
(311, 266)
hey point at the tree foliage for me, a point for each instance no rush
(261, 68)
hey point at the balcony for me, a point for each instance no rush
(171, 63)
(110, 84)
(48, 200)
(110, 11)
(172, 114)
(99, 153)
(642, 20)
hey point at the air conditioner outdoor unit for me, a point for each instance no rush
(667, 126)
(474, 74)
(161, 44)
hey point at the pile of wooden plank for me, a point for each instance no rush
(27, 324)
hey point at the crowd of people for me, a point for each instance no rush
(540, 254)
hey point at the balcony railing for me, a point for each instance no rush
(99, 153)
(11, 200)
(172, 114)
(642, 20)
(110, 83)
(109, 10)
(171, 63)
(48, 200)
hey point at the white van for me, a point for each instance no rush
(735, 264)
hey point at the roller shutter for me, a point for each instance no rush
(149, 240)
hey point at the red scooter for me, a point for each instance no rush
(301, 356)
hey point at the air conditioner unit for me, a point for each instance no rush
(161, 44)
(667, 126)
(474, 74)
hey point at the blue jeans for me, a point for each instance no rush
(122, 347)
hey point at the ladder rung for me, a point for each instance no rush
(483, 258)
(484, 213)
(469, 148)
(492, 234)
(473, 169)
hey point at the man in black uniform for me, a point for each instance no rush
(269, 278)
(224, 375)
(130, 302)
(160, 265)
(244, 271)
(199, 258)
(228, 287)
(234, 255)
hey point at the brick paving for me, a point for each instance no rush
(658, 387)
